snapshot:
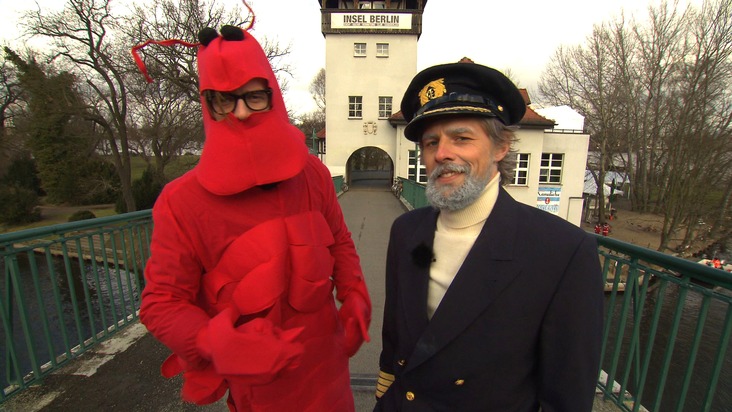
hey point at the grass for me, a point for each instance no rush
(55, 214)
(175, 169)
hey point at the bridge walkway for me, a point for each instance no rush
(123, 373)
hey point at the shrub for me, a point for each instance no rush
(24, 173)
(100, 184)
(18, 205)
(82, 215)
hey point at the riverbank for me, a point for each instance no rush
(644, 229)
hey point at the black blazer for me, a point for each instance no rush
(519, 328)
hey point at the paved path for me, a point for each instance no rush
(369, 214)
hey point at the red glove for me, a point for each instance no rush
(201, 387)
(355, 314)
(257, 349)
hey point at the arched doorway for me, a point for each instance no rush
(369, 167)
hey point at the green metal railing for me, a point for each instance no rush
(667, 327)
(65, 288)
(667, 331)
(338, 183)
(413, 194)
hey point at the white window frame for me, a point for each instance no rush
(382, 49)
(372, 4)
(550, 171)
(385, 106)
(355, 107)
(416, 169)
(359, 49)
(521, 173)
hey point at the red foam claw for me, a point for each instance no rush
(290, 335)
(355, 315)
(203, 387)
(257, 349)
(172, 366)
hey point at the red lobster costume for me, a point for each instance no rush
(247, 249)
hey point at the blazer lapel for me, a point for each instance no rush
(414, 273)
(488, 268)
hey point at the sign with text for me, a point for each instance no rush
(548, 199)
(371, 21)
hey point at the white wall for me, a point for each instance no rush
(369, 77)
(574, 148)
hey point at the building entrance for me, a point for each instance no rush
(369, 167)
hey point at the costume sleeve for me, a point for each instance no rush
(571, 336)
(173, 277)
(389, 329)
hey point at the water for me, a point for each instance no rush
(70, 304)
(690, 304)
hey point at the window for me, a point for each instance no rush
(382, 49)
(417, 171)
(359, 49)
(355, 107)
(372, 4)
(551, 168)
(384, 107)
(521, 173)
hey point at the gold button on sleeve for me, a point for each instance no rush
(459, 382)
(401, 362)
(410, 396)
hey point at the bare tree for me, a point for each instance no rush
(317, 89)
(658, 42)
(584, 78)
(313, 122)
(699, 134)
(81, 37)
(657, 94)
(9, 97)
(166, 125)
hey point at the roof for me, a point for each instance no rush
(532, 119)
(591, 186)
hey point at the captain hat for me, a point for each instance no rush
(463, 88)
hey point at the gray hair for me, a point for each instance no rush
(503, 136)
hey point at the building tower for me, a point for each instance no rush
(370, 57)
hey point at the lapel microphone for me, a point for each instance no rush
(422, 256)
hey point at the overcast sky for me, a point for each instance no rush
(518, 35)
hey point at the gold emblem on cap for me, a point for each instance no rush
(433, 90)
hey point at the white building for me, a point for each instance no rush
(371, 56)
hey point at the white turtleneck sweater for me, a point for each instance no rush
(454, 236)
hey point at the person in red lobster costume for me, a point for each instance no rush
(247, 249)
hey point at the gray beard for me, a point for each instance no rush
(462, 196)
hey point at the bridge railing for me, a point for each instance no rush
(412, 194)
(667, 331)
(667, 328)
(64, 288)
